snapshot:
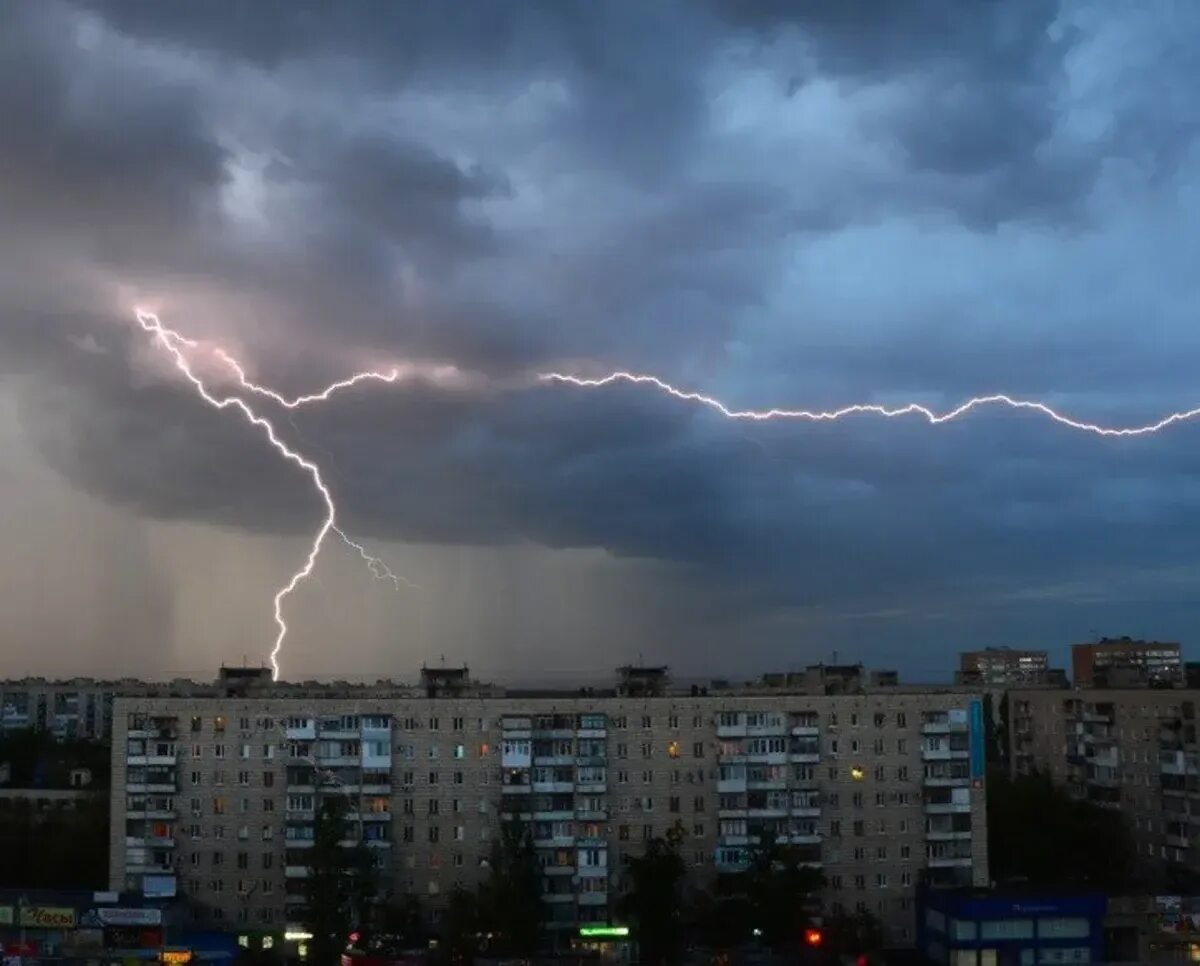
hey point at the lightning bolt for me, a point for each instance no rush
(174, 344)
(830, 415)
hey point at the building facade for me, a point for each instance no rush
(1134, 750)
(1007, 668)
(76, 708)
(1124, 662)
(215, 796)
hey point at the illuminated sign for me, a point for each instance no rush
(129, 917)
(48, 917)
(297, 935)
(603, 932)
(176, 957)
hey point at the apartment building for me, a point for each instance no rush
(1124, 662)
(1133, 749)
(75, 708)
(215, 796)
(1006, 667)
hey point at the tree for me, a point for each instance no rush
(461, 925)
(780, 888)
(857, 934)
(329, 892)
(1039, 834)
(653, 903)
(510, 900)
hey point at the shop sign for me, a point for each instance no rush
(48, 917)
(129, 917)
(6, 915)
(176, 957)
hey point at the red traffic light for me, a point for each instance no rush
(812, 937)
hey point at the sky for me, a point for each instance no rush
(796, 204)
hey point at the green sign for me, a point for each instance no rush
(6, 915)
(603, 932)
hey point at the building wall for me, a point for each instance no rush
(1133, 750)
(844, 777)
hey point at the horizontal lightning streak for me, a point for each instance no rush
(830, 415)
(174, 343)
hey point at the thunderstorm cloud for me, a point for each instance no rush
(781, 203)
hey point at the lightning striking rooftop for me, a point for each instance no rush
(174, 344)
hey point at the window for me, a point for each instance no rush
(672, 749)
(459, 833)
(218, 805)
(698, 749)
(218, 751)
(881, 880)
(243, 778)
(243, 860)
(196, 778)
(219, 723)
(433, 726)
(244, 751)
(673, 803)
(623, 833)
(647, 722)
(1007, 929)
(196, 723)
(1063, 929)
(433, 778)
(460, 751)
(698, 830)
(456, 724)
(698, 803)
(647, 749)
(433, 831)
(901, 721)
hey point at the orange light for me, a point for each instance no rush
(812, 937)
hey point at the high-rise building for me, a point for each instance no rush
(1132, 750)
(1123, 662)
(215, 795)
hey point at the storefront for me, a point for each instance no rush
(977, 927)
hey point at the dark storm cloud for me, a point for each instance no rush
(790, 203)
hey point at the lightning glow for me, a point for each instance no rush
(174, 343)
(830, 415)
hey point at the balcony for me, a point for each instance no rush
(950, 862)
(553, 841)
(593, 899)
(947, 835)
(944, 753)
(555, 815)
(555, 897)
(731, 730)
(806, 731)
(946, 781)
(805, 838)
(593, 815)
(150, 842)
(1176, 841)
(947, 808)
(296, 872)
(560, 788)
(558, 870)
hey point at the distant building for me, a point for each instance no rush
(1127, 663)
(1007, 667)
